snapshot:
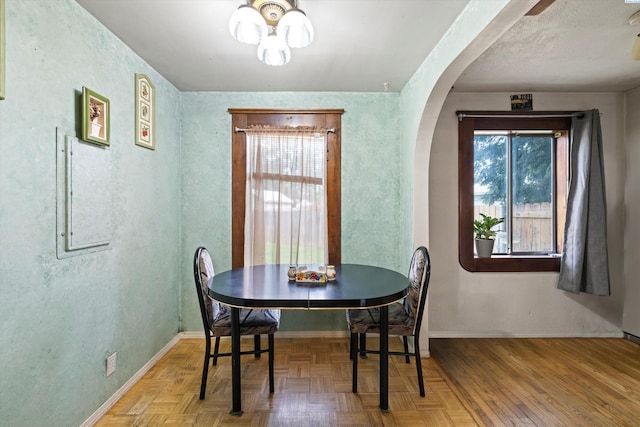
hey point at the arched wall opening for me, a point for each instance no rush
(477, 28)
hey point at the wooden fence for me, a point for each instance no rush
(532, 226)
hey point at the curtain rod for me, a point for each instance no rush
(526, 116)
(332, 130)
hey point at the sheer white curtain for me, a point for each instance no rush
(286, 209)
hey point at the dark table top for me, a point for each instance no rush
(267, 286)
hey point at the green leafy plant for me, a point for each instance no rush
(482, 228)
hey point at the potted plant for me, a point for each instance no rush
(485, 234)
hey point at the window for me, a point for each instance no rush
(516, 168)
(243, 118)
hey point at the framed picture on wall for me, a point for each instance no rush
(95, 117)
(3, 44)
(145, 112)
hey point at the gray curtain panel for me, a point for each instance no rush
(585, 262)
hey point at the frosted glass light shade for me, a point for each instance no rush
(635, 52)
(296, 29)
(274, 51)
(247, 25)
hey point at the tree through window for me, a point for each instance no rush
(514, 180)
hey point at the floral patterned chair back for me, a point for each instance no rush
(419, 272)
(210, 309)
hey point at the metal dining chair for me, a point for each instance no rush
(405, 318)
(216, 320)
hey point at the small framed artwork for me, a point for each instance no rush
(523, 102)
(3, 44)
(145, 112)
(95, 117)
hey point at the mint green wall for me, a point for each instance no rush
(371, 186)
(60, 318)
(421, 100)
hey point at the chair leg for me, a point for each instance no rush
(215, 351)
(406, 349)
(256, 346)
(354, 363)
(205, 368)
(363, 345)
(271, 354)
(418, 365)
(351, 346)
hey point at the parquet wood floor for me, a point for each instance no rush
(469, 382)
(313, 388)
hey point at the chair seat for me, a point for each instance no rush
(368, 321)
(252, 322)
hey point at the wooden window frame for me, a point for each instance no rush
(466, 127)
(241, 119)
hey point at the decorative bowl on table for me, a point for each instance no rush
(311, 277)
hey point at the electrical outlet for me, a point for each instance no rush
(111, 363)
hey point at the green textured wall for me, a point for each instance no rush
(371, 186)
(60, 318)
(421, 101)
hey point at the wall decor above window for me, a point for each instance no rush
(523, 102)
(145, 112)
(95, 117)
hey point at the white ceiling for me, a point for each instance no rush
(575, 45)
(359, 44)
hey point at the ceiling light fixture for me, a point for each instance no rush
(274, 25)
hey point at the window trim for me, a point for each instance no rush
(242, 118)
(466, 127)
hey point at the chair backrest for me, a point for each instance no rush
(419, 273)
(203, 271)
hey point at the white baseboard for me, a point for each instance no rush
(507, 334)
(191, 334)
(312, 334)
(99, 413)
(283, 334)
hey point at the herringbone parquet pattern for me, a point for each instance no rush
(313, 388)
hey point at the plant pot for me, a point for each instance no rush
(96, 128)
(484, 247)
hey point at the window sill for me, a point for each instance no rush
(511, 263)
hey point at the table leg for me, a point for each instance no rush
(384, 358)
(235, 362)
(256, 346)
